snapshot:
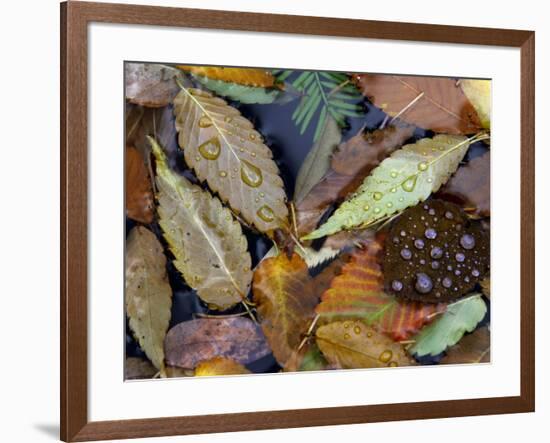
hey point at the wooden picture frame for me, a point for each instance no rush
(75, 17)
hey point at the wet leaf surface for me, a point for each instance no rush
(472, 348)
(241, 76)
(151, 84)
(139, 195)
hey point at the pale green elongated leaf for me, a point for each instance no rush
(210, 249)
(317, 160)
(312, 257)
(460, 317)
(241, 93)
(224, 150)
(406, 178)
(148, 294)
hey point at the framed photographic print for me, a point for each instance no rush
(291, 221)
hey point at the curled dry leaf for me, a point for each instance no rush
(237, 338)
(138, 368)
(139, 195)
(219, 366)
(224, 149)
(285, 302)
(349, 165)
(148, 294)
(473, 348)
(242, 76)
(150, 84)
(479, 94)
(210, 249)
(357, 293)
(461, 317)
(351, 344)
(434, 103)
(470, 187)
(409, 176)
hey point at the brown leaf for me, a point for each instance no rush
(285, 302)
(139, 195)
(486, 286)
(470, 187)
(351, 344)
(443, 108)
(148, 294)
(150, 84)
(219, 366)
(350, 164)
(175, 372)
(308, 358)
(242, 76)
(191, 342)
(138, 368)
(473, 348)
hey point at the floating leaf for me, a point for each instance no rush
(479, 94)
(285, 302)
(224, 149)
(151, 84)
(317, 161)
(139, 195)
(434, 253)
(350, 164)
(357, 293)
(148, 294)
(461, 317)
(351, 344)
(138, 368)
(242, 76)
(435, 103)
(409, 176)
(190, 342)
(240, 93)
(324, 94)
(470, 187)
(473, 348)
(210, 249)
(219, 366)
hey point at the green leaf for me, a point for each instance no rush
(461, 317)
(409, 176)
(244, 94)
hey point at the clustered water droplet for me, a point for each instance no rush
(423, 283)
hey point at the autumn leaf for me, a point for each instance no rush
(285, 302)
(349, 165)
(435, 103)
(138, 368)
(210, 249)
(357, 293)
(308, 358)
(409, 176)
(461, 317)
(219, 366)
(242, 76)
(470, 187)
(351, 344)
(139, 195)
(224, 149)
(472, 348)
(151, 84)
(243, 94)
(148, 293)
(191, 342)
(317, 161)
(479, 94)
(486, 287)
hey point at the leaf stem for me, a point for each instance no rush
(308, 333)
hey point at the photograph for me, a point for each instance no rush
(284, 220)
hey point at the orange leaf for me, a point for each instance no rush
(285, 302)
(443, 107)
(219, 366)
(241, 76)
(358, 293)
(139, 195)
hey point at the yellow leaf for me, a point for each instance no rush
(219, 366)
(210, 249)
(224, 149)
(479, 94)
(148, 294)
(241, 76)
(351, 344)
